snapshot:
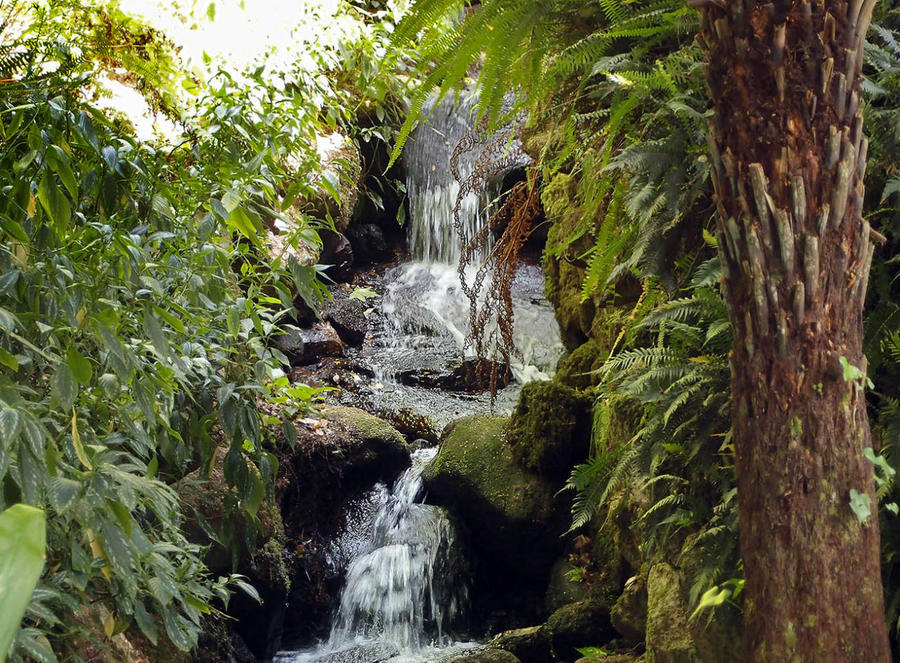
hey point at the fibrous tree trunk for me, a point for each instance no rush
(788, 156)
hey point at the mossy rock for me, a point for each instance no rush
(550, 429)
(529, 645)
(578, 625)
(668, 638)
(514, 512)
(487, 655)
(578, 369)
(629, 614)
(562, 588)
(371, 446)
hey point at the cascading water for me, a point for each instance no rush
(425, 313)
(406, 583)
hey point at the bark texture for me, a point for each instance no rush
(788, 156)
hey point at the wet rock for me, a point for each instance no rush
(550, 429)
(348, 318)
(305, 346)
(369, 244)
(337, 252)
(581, 624)
(488, 655)
(562, 589)
(629, 614)
(471, 376)
(529, 645)
(372, 446)
(515, 515)
(412, 425)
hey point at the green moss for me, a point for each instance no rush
(578, 368)
(364, 425)
(668, 636)
(550, 429)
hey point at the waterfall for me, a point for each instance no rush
(405, 582)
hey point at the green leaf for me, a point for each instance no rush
(80, 366)
(9, 360)
(76, 443)
(211, 11)
(63, 492)
(54, 202)
(362, 293)
(861, 504)
(239, 219)
(23, 533)
(64, 387)
(117, 549)
(330, 182)
(59, 163)
(157, 335)
(145, 622)
(10, 425)
(712, 598)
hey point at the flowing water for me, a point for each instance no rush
(406, 582)
(422, 318)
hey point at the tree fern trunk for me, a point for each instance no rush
(788, 156)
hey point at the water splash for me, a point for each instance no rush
(406, 586)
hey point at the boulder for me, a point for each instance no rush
(347, 316)
(472, 376)
(514, 512)
(629, 614)
(529, 645)
(371, 446)
(411, 424)
(668, 637)
(515, 516)
(562, 588)
(369, 244)
(577, 369)
(337, 252)
(577, 625)
(550, 429)
(487, 655)
(305, 346)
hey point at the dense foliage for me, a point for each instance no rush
(614, 93)
(138, 308)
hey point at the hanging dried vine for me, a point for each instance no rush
(499, 153)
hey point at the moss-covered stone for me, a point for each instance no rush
(668, 637)
(529, 645)
(629, 614)
(487, 655)
(513, 516)
(475, 468)
(550, 429)
(369, 444)
(577, 625)
(578, 369)
(563, 587)
(563, 268)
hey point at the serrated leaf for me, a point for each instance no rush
(63, 492)
(117, 549)
(10, 425)
(145, 622)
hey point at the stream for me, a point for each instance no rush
(405, 593)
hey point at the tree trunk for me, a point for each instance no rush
(788, 157)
